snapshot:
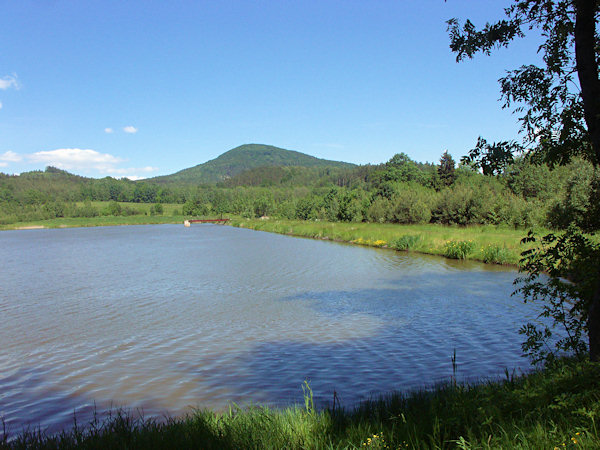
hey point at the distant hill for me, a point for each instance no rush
(243, 158)
(269, 176)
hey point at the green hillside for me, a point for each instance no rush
(242, 158)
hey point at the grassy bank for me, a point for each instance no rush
(491, 244)
(555, 408)
(487, 243)
(70, 222)
(131, 214)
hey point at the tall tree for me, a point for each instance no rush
(446, 169)
(559, 100)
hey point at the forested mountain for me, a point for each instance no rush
(242, 158)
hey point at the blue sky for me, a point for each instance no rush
(146, 88)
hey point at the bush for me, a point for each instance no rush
(87, 210)
(534, 181)
(306, 208)
(468, 202)
(411, 205)
(458, 249)
(129, 211)
(579, 202)
(157, 209)
(262, 206)
(378, 210)
(114, 208)
(496, 255)
(195, 208)
(520, 213)
(407, 242)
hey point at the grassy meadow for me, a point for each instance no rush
(131, 214)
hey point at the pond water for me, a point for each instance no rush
(162, 318)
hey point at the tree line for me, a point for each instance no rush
(519, 193)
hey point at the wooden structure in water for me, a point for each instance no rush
(189, 222)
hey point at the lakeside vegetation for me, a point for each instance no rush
(487, 243)
(557, 407)
(98, 213)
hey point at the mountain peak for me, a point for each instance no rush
(244, 157)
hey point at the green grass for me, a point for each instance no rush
(542, 410)
(429, 238)
(171, 214)
(70, 222)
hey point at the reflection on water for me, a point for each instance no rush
(163, 318)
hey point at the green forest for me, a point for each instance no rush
(520, 193)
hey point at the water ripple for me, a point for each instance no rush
(164, 318)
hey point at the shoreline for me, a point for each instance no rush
(547, 408)
(102, 221)
(31, 227)
(490, 245)
(487, 244)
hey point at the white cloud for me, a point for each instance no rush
(10, 157)
(130, 129)
(108, 130)
(76, 158)
(0, 105)
(9, 81)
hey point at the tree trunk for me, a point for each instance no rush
(587, 71)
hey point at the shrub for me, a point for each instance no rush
(496, 255)
(468, 202)
(87, 210)
(579, 202)
(306, 208)
(129, 211)
(349, 207)
(114, 208)
(158, 209)
(407, 242)
(458, 249)
(378, 210)
(411, 205)
(195, 208)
